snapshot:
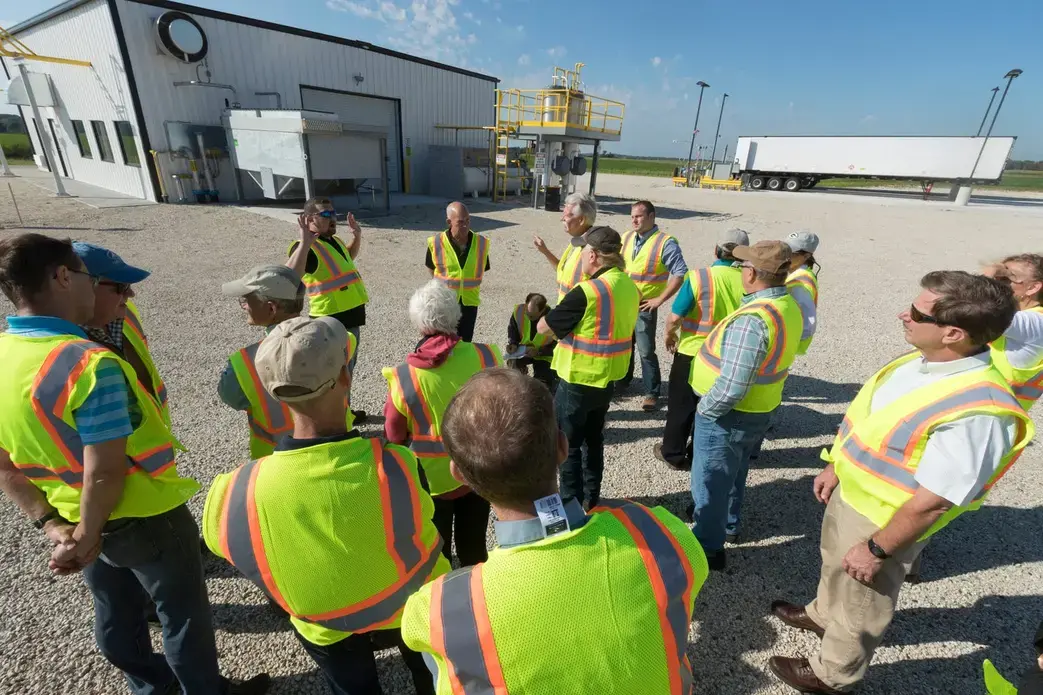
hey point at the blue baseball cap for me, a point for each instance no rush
(105, 264)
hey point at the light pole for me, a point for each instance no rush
(714, 153)
(695, 129)
(994, 90)
(964, 195)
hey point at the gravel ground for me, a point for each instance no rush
(980, 596)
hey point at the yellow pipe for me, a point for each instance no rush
(159, 175)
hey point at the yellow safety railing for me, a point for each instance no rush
(559, 108)
(11, 47)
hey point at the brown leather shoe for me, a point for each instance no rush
(649, 404)
(796, 616)
(797, 673)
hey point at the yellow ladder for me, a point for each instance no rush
(508, 117)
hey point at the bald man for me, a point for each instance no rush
(459, 258)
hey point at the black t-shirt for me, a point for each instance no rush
(514, 335)
(356, 316)
(461, 253)
(564, 318)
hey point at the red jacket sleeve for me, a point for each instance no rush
(396, 427)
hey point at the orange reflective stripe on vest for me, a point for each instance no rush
(705, 299)
(672, 579)
(424, 443)
(242, 543)
(50, 395)
(648, 273)
(442, 268)
(769, 373)
(889, 462)
(275, 418)
(603, 345)
(1030, 390)
(479, 267)
(577, 272)
(467, 646)
(132, 322)
(339, 280)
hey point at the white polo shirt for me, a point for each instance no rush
(1025, 339)
(961, 455)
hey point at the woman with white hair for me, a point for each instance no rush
(419, 390)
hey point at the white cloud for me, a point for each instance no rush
(469, 16)
(524, 59)
(656, 61)
(556, 52)
(424, 27)
(520, 28)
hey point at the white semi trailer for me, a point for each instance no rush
(791, 163)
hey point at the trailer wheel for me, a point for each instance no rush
(757, 183)
(793, 184)
(774, 183)
(809, 182)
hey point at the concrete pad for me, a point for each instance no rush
(88, 194)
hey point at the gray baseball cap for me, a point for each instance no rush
(735, 236)
(271, 281)
(302, 357)
(802, 240)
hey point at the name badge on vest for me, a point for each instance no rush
(551, 512)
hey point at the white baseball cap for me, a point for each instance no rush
(303, 356)
(270, 281)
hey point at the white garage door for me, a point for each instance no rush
(353, 108)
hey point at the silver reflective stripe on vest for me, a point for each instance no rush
(759, 379)
(771, 366)
(424, 448)
(1029, 391)
(649, 274)
(279, 422)
(705, 299)
(485, 355)
(619, 347)
(339, 280)
(463, 647)
(604, 309)
(675, 580)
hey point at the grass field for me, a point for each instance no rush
(16, 147)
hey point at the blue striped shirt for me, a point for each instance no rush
(105, 414)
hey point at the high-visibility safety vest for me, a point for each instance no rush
(1026, 382)
(269, 419)
(524, 324)
(465, 281)
(718, 292)
(995, 684)
(135, 335)
(336, 285)
(782, 317)
(337, 534)
(480, 623)
(46, 380)
(422, 396)
(804, 278)
(597, 351)
(876, 454)
(647, 269)
(570, 270)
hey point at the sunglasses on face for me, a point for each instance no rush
(328, 214)
(94, 279)
(118, 287)
(918, 316)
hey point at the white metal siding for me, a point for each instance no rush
(260, 60)
(98, 93)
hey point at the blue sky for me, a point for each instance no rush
(809, 67)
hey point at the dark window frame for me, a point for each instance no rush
(82, 141)
(101, 137)
(121, 138)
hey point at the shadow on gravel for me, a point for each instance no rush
(432, 219)
(795, 421)
(249, 618)
(298, 683)
(808, 389)
(621, 206)
(87, 229)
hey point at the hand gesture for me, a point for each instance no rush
(538, 242)
(353, 223)
(825, 483)
(307, 236)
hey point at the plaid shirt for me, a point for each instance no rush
(743, 349)
(111, 335)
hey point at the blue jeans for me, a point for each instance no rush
(644, 343)
(155, 557)
(720, 463)
(581, 414)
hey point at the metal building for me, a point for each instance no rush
(168, 84)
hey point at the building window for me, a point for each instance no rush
(81, 139)
(101, 136)
(129, 148)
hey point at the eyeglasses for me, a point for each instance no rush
(328, 214)
(94, 279)
(119, 287)
(917, 316)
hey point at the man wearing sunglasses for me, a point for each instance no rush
(924, 441)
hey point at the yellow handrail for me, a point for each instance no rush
(11, 47)
(559, 108)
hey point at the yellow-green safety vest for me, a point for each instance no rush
(781, 316)
(803, 277)
(718, 292)
(1026, 382)
(336, 285)
(422, 395)
(465, 281)
(524, 324)
(876, 454)
(647, 269)
(570, 270)
(995, 684)
(134, 333)
(338, 534)
(269, 419)
(597, 351)
(480, 624)
(47, 380)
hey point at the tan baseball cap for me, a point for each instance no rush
(767, 256)
(302, 357)
(271, 281)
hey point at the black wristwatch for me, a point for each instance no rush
(42, 521)
(877, 550)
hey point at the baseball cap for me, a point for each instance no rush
(735, 236)
(601, 239)
(766, 256)
(271, 281)
(303, 356)
(103, 263)
(803, 240)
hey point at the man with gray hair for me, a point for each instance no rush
(419, 390)
(578, 215)
(459, 258)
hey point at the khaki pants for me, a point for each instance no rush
(854, 615)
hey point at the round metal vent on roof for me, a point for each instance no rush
(181, 37)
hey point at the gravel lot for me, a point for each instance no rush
(980, 597)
